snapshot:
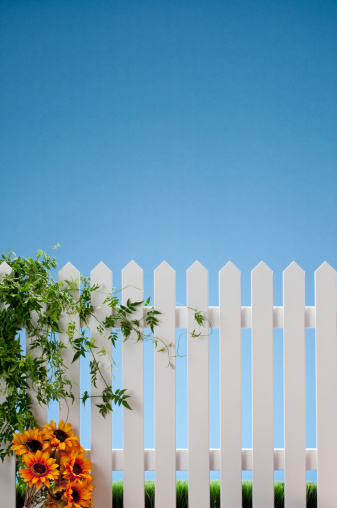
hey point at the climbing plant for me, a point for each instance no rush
(31, 299)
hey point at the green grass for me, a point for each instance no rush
(182, 494)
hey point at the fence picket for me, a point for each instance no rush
(229, 317)
(230, 386)
(262, 386)
(198, 389)
(7, 467)
(294, 387)
(70, 412)
(165, 389)
(133, 380)
(39, 411)
(101, 433)
(326, 385)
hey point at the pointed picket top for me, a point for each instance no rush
(69, 272)
(229, 285)
(132, 282)
(100, 271)
(292, 271)
(262, 290)
(293, 268)
(196, 289)
(293, 282)
(5, 269)
(165, 288)
(132, 266)
(325, 285)
(164, 267)
(101, 275)
(197, 268)
(262, 268)
(229, 268)
(325, 268)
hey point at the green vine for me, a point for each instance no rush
(30, 299)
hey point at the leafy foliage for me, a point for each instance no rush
(30, 299)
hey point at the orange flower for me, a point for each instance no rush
(58, 491)
(75, 466)
(51, 503)
(29, 442)
(41, 469)
(77, 448)
(78, 494)
(61, 438)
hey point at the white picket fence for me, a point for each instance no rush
(230, 317)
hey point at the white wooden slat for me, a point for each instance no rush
(294, 386)
(133, 380)
(101, 428)
(39, 411)
(246, 317)
(72, 416)
(7, 467)
(215, 459)
(198, 389)
(165, 389)
(326, 385)
(262, 386)
(230, 386)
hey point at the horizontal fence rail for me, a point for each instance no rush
(182, 459)
(181, 313)
(230, 317)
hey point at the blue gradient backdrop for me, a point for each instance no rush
(173, 130)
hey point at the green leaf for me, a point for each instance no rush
(29, 289)
(125, 404)
(85, 397)
(76, 355)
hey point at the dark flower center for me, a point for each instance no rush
(38, 469)
(75, 495)
(33, 445)
(60, 435)
(77, 468)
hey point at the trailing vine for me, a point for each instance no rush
(31, 299)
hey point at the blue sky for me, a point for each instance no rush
(172, 130)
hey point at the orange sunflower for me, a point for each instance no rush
(41, 469)
(77, 447)
(29, 442)
(61, 438)
(78, 494)
(75, 466)
(51, 503)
